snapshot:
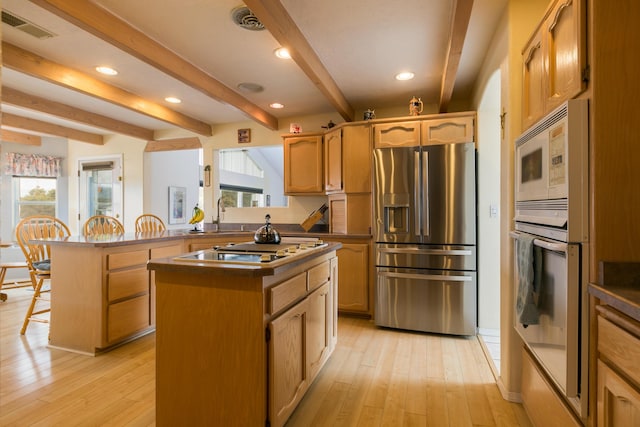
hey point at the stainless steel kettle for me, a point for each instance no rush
(266, 233)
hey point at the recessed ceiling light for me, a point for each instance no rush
(282, 53)
(106, 70)
(173, 100)
(407, 75)
(276, 105)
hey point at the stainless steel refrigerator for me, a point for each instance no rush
(425, 231)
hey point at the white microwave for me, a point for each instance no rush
(552, 156)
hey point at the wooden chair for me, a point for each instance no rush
(37, 257)
(147, 223)
(102, 224)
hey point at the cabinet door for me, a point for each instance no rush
(447, 131)
(401, 134)
(333, 326)
(533, 76)
(318, 329)
(618, 402)
(288, 379)
(356, 156)
(333, 161)
(565, 52)
(353, 273)
(303, 171)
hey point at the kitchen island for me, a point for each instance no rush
(239, 342)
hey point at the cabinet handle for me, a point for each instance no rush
(558, 12)
(530, 55)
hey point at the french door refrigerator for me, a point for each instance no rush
(425, 232)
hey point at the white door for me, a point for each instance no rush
(100, 187)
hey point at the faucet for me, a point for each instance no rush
(220, 209)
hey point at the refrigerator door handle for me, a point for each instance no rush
(425, 194)
(441, 277)
(418, 251)
(416, 193)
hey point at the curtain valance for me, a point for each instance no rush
(36, 165)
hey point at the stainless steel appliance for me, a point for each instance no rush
(551, 209)
(425, 231)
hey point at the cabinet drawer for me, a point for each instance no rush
(127, 317)
(121, 284)
(287, 292)
(318, 275)
(127, 259)
(620, 347)
(166, 251)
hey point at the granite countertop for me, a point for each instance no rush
(619, 286)
(172, 264)
(108, 240)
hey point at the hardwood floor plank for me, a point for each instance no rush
(375, 377)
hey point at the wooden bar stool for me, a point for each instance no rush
(16, 284)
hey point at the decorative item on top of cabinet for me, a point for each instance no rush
(554, 60)
(303, 165)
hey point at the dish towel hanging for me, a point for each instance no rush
(529, 261)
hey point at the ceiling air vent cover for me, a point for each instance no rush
(25, 26)
(244, 18)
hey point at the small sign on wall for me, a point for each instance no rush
(244, 136)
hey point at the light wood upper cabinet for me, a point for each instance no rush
(333, 161)
(565, 52)
(397, 134)
(554, 60)
(448, 131)
(532, 81)
(347, 159)
(303, 165)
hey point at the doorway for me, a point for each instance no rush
(489, 202)
(100, 188)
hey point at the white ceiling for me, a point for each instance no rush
(362, 44)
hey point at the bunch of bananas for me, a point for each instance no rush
(198, 215)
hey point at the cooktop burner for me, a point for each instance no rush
(253, 253)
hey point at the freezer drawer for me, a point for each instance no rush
(427, 300)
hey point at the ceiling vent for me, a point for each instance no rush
(25, 26)
(243, 17)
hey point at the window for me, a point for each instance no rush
(33, 196)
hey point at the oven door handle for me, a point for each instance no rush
(544, 244)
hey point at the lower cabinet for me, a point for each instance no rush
(301, 341)
(354, 276)
(618, 378)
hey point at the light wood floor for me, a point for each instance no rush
(376, 377)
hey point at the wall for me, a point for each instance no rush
(164, 169)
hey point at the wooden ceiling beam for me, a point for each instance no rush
(277, 20)
(29, 63)
(108, 27)
(190, 143)
(13, 121)
(19, 138)
(459, 25)
(31, 102)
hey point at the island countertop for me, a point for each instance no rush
(174, 264)
(108, 240)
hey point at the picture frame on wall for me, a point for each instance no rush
(177, 205)
(244, 136)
